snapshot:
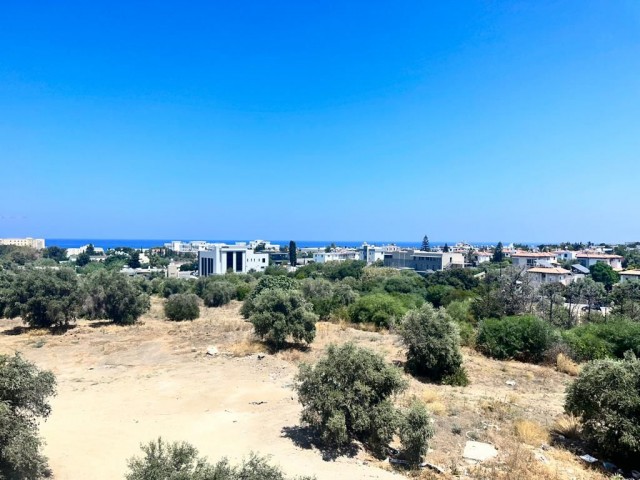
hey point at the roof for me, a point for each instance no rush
(599, 255)
(580, 268)
(549, 270)
(635, 273)
(534, 254)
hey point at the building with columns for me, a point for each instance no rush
(221, 258)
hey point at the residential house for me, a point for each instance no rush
(533, 259)
(336, 256)
(542, 275)
(629, 275)
(588, 259)
(424, 261)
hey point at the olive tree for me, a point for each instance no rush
(279, 282)
(24, 393)
(182, 306)
(606, 396)
(278, 314)
(433, 343)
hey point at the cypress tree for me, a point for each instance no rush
(293, 253)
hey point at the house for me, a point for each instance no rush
(629, 275)
(533, 259)
(74, 252)
(566, 255)
(541, 275)
(424, 261)
(222, 258)
(589, 259)
(370, 253)
(37, 243)
(481, 257)
(266, 245)
(336, 256)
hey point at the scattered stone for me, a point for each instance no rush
(260, 356)
(433, 467)
(511, 383)
(544, 446)
(212, 350)
(588, 458)
(258, 403)
(611, 467)
(479, 451)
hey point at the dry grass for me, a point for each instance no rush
(565, 365)
(531, 433)
(518, 463)
(433, 401)
(499, 409)
(567, 426)
(246, 347)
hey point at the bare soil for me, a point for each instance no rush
(121, 386)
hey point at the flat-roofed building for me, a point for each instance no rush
(336, 256)
(630, 275)
(589, 259)
(37, 243)
(424, 261)
(220, 259)
(541, 275)
(533, 259)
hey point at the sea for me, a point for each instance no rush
(142, 243)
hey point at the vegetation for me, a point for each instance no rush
(217, 293)
(180, 461)
(278, 314)
(432, 340)
(182, 306)
(293, 253)
(383, 310)
(606, 396)
(24, 393)
(113, 296)
(523, 338)
(603, 273)
(610, 339)
(267, 282)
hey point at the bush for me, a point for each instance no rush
(171, 286)
(113, 296)
(606, 396)
(182, 306)
(218, 293)
(278, 314)
(416, 429)
(347, 396)
(43, 298)
(320, 293)
(180, 461)
(381, 309)
(432, 340)
(24, 391)
(610, 339)
(524, 338)
(460, 312)
(267, 282)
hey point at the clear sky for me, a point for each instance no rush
(484, 120)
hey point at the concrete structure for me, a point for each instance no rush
(73, 252)
(221, 258)
(566, 255)
(629, 275)
(337, 256)
(424, 261)
(37, 243)
(589, 259)
(541, 275)
(533, 259)
(371, 253)
(268, 246)
(481, 257)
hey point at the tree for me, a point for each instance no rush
(24, 393)
(552, 304)
(293, 253)
(83, 259)
(425, 244)
(348, 396)
(44, 298)
(416, 429)
(433, 343)
(445, 248)
(278, 314)
(113, 296)
(606, 396)
(591, 292)
(626, 299)
(498, 253)
(381, 309)
(320, 293)
(267, 282)
(603, 273)
(55, 253)
(134, 259)
(180, 461)
(182, 306)
(90, 250)
(218, 293)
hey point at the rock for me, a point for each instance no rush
(511, 383)
(260, 356)
(212, 350)
(479, 451)
(588, 458)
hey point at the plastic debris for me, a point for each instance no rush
(511, 383)
(588, 458)
(212, 350)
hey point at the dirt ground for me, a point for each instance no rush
(120, 386)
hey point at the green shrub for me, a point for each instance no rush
(416, 429)
(171, 286)
(320, 293)
(460, 312)
(182, 306)
(109, 295)
(606, 396)
(278, 314)
(433, 342)
(24, 391)
(180, 461)
(610, 339)
(347, 396)
(267, 282)
(523, 338)
(381, 309)
(218, 293)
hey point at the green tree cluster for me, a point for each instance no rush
(182, 306)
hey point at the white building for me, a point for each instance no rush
(533, 259)
(481, 257)
(629, 275)
(221, 258)
(566, 255)
(370, 253)
(268, 246)
(589, 259)
(37, 243)
(74, 252)
(541, 275)
(337, 256)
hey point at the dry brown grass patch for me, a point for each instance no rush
(565, 365)
(246, 347)
(530, 432)
(567, 426)
(433, 401)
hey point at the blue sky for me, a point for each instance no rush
(472, 121)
